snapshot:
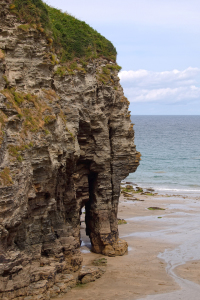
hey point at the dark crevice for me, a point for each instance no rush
(92, 179)
(59, 157)
(47, 196)
(56, 234)
(111, 154)
(53, 85)
(45, 253)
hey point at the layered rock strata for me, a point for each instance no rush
(66, 142)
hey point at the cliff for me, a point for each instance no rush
(66, 142)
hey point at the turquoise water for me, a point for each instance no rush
(170, 148)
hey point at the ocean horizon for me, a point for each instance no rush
(170, 148)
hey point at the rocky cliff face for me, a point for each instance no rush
(66, 142)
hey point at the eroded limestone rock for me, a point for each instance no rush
(88, 274)
(66, 143)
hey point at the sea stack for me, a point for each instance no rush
(66, 142)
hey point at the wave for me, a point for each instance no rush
(177, 190)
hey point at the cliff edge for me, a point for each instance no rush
(66, 142)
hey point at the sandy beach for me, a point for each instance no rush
(163, 257)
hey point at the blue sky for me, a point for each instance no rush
(158, 45)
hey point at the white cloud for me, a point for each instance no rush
(144, 77)
(166, 87)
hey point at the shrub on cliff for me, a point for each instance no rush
(31, 11)
(71, 37)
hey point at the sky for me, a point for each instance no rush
(158, 45)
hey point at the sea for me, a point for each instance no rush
(170, 148)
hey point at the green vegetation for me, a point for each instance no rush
(36, 117)
(18, 97)
(139, 190)
(114, 67)
(149, 194)
(46, 131)
(69, 70)
(121, 221)
(54, 60)
(77, 38)
(71, 38)
(31, 11)
(100, 262)
(6, 80)
(16, 151)
(79, 284)
(61, 71)
(24, 27)
(3, 121)
(5, 178)
(71, 134)
(129, 189)
(34, 114)
(49, 119)
(155, 208)
(19, 158)
(105, 75)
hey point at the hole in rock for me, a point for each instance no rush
(59, 157)
(45, 252)
(47, 196)
(85, 240)
(86, 221)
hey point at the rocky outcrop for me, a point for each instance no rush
(66, 142)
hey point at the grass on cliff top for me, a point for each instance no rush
(71, 37)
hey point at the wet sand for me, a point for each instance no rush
(163, 258)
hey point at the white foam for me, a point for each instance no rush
(85, 251)
(177, 190)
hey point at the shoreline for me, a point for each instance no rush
(164, 191)
(148, 270)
